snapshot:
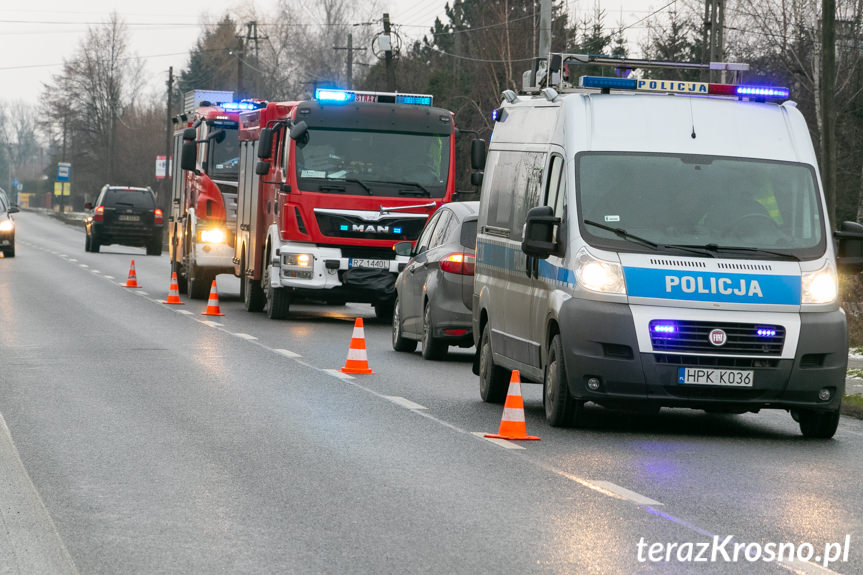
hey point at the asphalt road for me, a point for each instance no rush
(138, 437)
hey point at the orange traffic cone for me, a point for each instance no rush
(213, 302)
(173, 291)
(512, 423)
(357, 361)
(132, 280)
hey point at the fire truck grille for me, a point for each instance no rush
(345, 226)
(679, 336)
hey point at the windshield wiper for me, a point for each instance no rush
(717, 248)
(421, 191)
(361, 183)
(643, 241)
(336, 186)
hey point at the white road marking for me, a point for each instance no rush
(244, 336)
(497, 441)
(109, 277)
(211, 323)
(83, 265)
(287, 353)
(339, 374)
(404, 402)
(806, 568)
(184, 312)
(623, 493)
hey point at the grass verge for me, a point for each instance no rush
(852, 405)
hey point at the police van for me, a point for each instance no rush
(648, 243)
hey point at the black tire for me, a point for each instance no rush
(433, 348)
(493, 379)
(182, 284)
(278, 300)
(86, 242)
(561, 409)
(254, 297)
(818, 424)
(400, 343)
(9, 252)
(95, 243)
(199, 282)
(154, 248)
(384, 311)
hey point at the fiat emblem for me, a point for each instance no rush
(718, 337)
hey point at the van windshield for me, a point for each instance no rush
(374, 163)
(718, 203)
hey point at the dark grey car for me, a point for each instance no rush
(434, 290)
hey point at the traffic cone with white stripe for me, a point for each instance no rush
(512, 424)
(174, 291)
(132, 280)
(213, 302)
(357, 361)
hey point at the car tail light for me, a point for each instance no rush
(99, 214)
(157, 216)
(458, 263)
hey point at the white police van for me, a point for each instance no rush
(648, 243)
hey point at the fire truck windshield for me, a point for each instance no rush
(374, 163)
(225, 156)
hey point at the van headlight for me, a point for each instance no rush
(598, 275)
(6, 226)
(821, 286)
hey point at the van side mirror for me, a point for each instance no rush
(188, 155)
(477, 154)
(262, 168)
(265, 144)
(849, 247)
(476, 178)
(539, 226)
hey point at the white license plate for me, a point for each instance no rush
(125, 218)
(365, 263)
(727, 377)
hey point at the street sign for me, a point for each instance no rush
(64, 171)
(62, 188)
(161, 167)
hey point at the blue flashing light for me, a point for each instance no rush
(397, 230)
(415, 100)
(330, 95)
(763, 91)
(343, 228)
(610, 83)
(766, 332)
(495, 114)
(664, 328)
(238, 106)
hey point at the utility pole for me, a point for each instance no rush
(544, 29)
(828, 69)
(713, 37)
(387, 45)
(349, 67)
(165, 196)
(253, 38)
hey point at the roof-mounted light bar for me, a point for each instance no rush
(679, 87)
(335, 96)
(241, 105)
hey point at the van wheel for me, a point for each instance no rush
(561, 409)
(818, 424)
(253, 296)
(400, 343)
(493, 379)
(433, 348)
(199, 282)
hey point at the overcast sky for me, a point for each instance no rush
(36, 35)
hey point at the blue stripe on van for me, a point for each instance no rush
(710, 286)
(514, 261)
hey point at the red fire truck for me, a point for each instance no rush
(204, 189)
(327, 186)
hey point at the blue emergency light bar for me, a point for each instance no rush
(680, 87)
(336, 96)
(238, 106)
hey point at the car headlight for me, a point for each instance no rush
(213, 236)
(7, 226)
(821, 286)
(598, 275)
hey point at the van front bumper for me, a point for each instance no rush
(600, 342)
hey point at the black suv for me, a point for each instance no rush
(126, 216)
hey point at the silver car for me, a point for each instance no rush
(435, 288)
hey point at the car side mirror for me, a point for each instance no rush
(539, 226)
(300, 133)
(88, 206)
(403, 248)
(13, 210)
